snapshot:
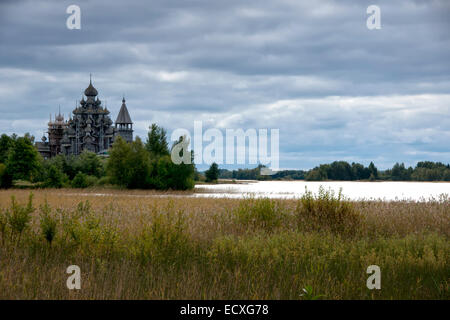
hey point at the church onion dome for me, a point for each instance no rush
(90, 91)
(59, 118)
(123, 117)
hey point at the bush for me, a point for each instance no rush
(129, 164)
(54, 177)
(48, 223)
(82, 180)
(82, 227)
(91, 181)
(168, 175)
(90, 164)
(19, 216)
(166, 240)
(79, 181)
(5, 178)
(3, 224)
(446, 175)
(103, 181)
(264, 213)
(316, 174)
(212, 174)
(136, 166)
(23, 160)
(326, 211)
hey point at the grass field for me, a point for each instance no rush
(132, 245)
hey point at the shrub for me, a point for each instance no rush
(129, 164)
(55, 178)
(168, 175)
(23, 160)
(48, 222)
(81, 180)
(446, 175)
(5, 177)
(82, 227)
(3, 224)
(19, 216)
(326, 211)
(103, 181)
(91, 181)
(262, 213)
(212, 174)
(90, 164)
(166, 240)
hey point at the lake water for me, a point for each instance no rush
(354, 190)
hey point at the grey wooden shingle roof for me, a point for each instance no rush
(123, 117)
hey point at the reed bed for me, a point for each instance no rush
(140, 245)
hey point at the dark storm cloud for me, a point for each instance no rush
(334, 88)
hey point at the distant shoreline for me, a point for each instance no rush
(237, 181)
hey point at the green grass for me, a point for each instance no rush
(317, 247)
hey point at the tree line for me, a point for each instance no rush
(149, 166)
(344, 171)
(255, 174)
(129, 165)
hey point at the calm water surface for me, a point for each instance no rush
(352, 190)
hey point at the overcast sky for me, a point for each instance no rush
(312, 69)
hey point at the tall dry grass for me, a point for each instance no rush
(137, 245)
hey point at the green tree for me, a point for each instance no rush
(400, 173)
(319, 173)
(156, 142)
(129, 164)
(340, 170)
(5, 178)
(117, 166)
(90, 164)
(6, 143)
(359, 172)
(315, 175)
(70, 164)
(19, 216)
(80, 180)
(54, 177)
(135, 165)
(30, 137)
(48, 222)
(168, 175)
(373, 170)
(139, 165)
(23, 160)
(212, 174)
(446, 175)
